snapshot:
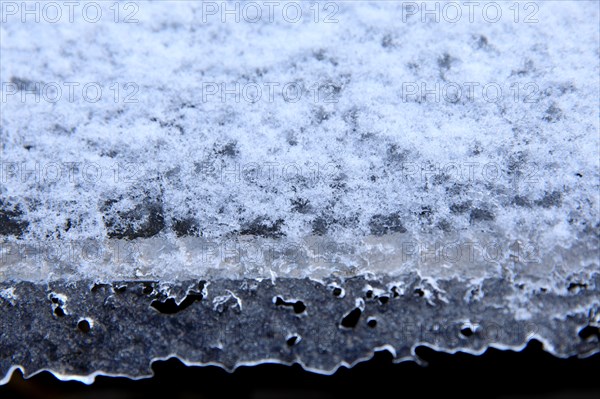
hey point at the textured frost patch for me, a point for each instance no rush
(378, 141)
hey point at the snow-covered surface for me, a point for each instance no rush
(170, 180)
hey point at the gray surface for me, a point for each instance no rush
(127, 333)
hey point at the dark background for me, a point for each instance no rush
(495, 374)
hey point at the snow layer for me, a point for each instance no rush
(359, 141)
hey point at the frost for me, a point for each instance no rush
(220, 301)
(8, 294)
(377, 162)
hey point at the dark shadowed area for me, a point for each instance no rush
(531, 373)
